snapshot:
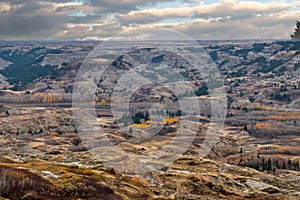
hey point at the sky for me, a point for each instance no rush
(102, 19)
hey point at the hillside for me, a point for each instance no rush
(59, 144)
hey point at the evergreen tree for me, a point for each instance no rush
(245, 128)
(283, 165)
(297, 166)
(256, 166)
(296, 35)
(277, 164)
(269, 165)
(289, 164)
(263, 164)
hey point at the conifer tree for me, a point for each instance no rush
(269, 165)
(296, 35)
(283, 165)
(289, 164)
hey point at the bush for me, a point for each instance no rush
(16, 183)
(23, 184)
(79, 148)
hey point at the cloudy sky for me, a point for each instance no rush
(101, 19)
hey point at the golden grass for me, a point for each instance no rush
(144, 125)
(170, 121)
(285, 116)
(263, 126)
(52, 133)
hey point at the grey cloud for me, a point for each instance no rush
(98, 31)
(36, 1)
(32, 20)
(35, 21)
(235, 11)
(21, 26)
(66, 8)
(123, 6)
(253, 28)
(87, 18)
(139, 18)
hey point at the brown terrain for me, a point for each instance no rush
(44, 154)
(51, 161)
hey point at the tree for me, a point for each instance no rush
(269, 165)
(263, 164)
(277, 164)
(289, 164)
(130, 130)
(245, 128)
(283, 165)
(297, 165)
(296, 35)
